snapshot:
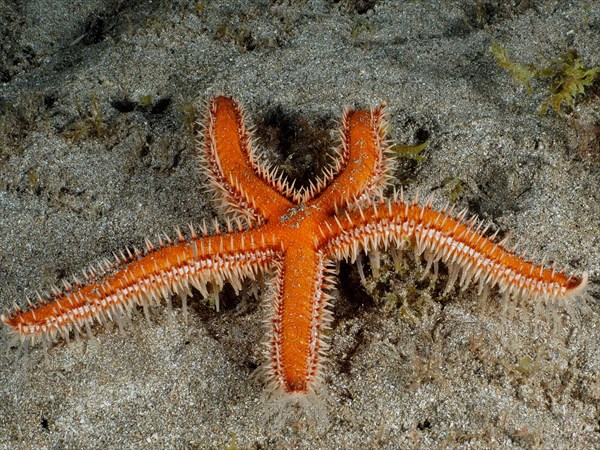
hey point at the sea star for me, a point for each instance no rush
(297, 235)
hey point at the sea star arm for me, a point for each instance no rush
(298, 316)
(112, 290)
(362, 167)
(228, 158)
(461, 246)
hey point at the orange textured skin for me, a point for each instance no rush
(295, 234)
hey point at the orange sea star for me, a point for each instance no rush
(297, 235)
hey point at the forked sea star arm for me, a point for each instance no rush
(230, 162)
(440, 237)
(113, 289)
(362, 166)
